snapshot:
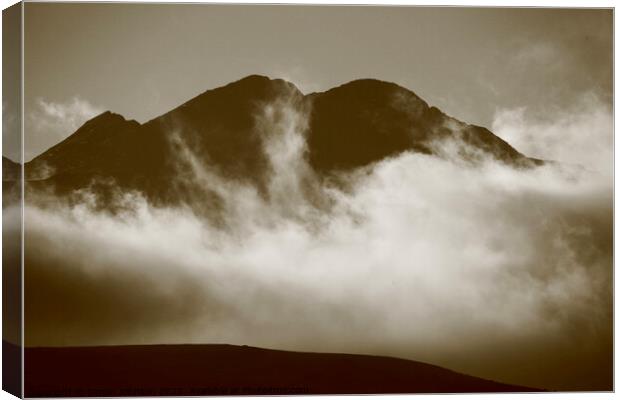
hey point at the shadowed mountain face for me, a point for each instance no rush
(366, 120)
(348, 127)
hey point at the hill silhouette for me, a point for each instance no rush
(180, 370)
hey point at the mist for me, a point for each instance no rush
(580, 134)
(488, 269)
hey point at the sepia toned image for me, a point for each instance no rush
(228, 199)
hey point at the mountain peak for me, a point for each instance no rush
(375, 88)
(87, 138)
(106, 116)
(371, 82)
(256, 80)
(252, 87)
(253, 77)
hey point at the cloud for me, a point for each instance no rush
(50, 122)
(539, 53)
(581, 134)
(300, 75)
(494, 271)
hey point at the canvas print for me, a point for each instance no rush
(299, 199)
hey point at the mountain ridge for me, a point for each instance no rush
(349, 126)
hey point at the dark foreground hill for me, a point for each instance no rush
(180, 370)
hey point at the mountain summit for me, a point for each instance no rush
(347, 127)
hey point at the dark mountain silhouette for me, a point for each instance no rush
(366, 120)
(350, 126)
(181, 370)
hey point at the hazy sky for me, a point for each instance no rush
(141, 60)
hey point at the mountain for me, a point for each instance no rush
(201, 370)
(366, 120)
(11, 189)
(349, 126)
(10, 170)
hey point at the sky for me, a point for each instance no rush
(141, 60)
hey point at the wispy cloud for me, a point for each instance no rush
(50, 122)
(580, 134)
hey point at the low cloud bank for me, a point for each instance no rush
(494, 271)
